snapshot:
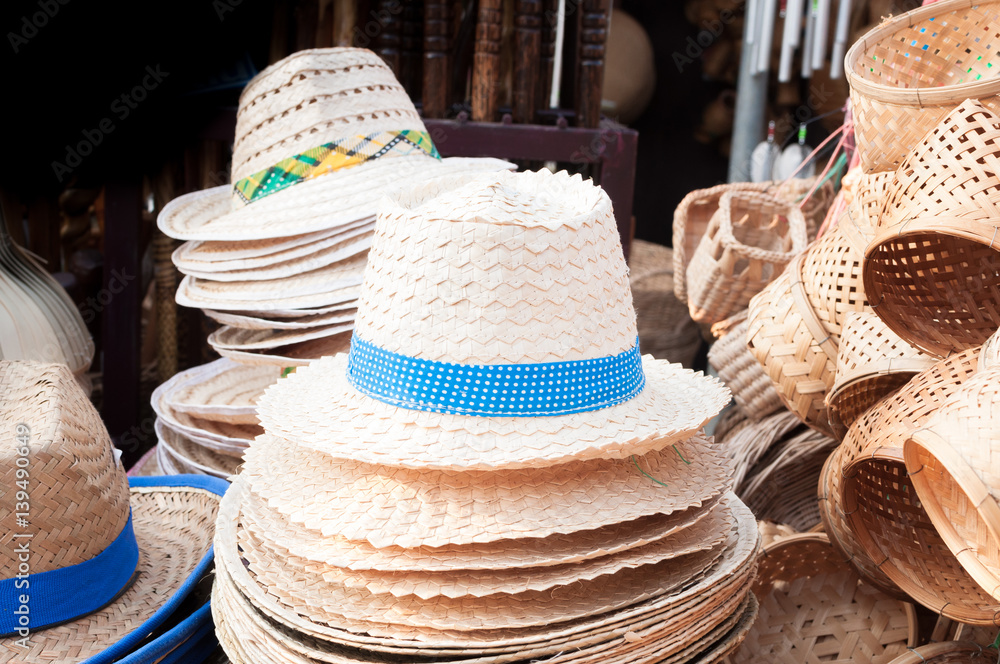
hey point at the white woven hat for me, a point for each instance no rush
(319, 136)
(509, 292)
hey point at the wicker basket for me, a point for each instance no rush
(666, 331)
(835, 525)
(746, 444)
(696, 209)
(741, 373)
(933, 270)
(814, 608)
(749, 241)
(910, 71)
(954, 464)
(989, 354)
(872, 363)
(884, 511)
(948, 652)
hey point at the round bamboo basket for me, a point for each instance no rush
(741, 373)
(911, 70)
(872, 363)
(989, 354)
(749, 240)
(835, 526)
(884, 511)
(932, 271)
(815, 608)
(948, 652)
(954, 464)
(666, 331)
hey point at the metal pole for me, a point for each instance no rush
(748, 124)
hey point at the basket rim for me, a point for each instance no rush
(936, 96)
(796, 226)
(923, 653)
(883, 367)
(970, 484)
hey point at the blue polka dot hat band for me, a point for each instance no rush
(525, 390)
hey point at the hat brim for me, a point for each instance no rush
(318, 408)
(173, 518)
(325, 202)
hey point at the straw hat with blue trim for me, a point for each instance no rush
(90, 563)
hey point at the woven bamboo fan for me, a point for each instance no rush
(748, 242)
(954, 464)
(815, 608)
(666, 331)
(696, 209)
(933, 270)
(835, 526)
(948, 652)
(884, 511)
(872, 363)
(910, 71)
(741, 373)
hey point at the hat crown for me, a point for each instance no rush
(61, 457)
(316, 97)
(498, 268)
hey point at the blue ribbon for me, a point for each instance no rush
(524, 390)
(63, 594)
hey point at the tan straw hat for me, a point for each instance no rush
(223, 391)
(510, 292)
(89, 567)
(319, 136)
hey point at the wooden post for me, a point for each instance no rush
(486, 62)
(411, 51)
(389, 40)
(590, 71)
(550, 18)
(437, 60)
(527, 50)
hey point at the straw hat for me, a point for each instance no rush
(941, 220)
(222, 391)
(117, 561)
(493, 274)
(952, 464)
(320, 136)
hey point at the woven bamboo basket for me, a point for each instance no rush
(815, 608)
(884, 511)
(746, 444)
(749, 240)
(696, 209)
(872, 363)
(781, 486)
(910, 71)
(933, 269)
(666, 331)
(835, 526)
(989, 354)
(731, 421)
(948, 652)
(741, 373)
(954, 464)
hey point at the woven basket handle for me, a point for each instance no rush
(809, 318)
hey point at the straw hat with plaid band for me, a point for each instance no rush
(495, 329)
(320, 136)
(89, 566)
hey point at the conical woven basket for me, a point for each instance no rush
(948, 652)
(741, 373)
(933, 269)
(872, 363)
(749, 240)
(954, 464)
(835, 526)
(885, 512)
(666, 331)
(814, 608)
(910, 71)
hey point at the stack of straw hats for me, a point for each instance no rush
(493, 472)
(92, 563)
(277, 256)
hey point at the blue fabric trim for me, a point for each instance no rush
(519, 390)
(177, 641)
(61, 595)
(135, 638)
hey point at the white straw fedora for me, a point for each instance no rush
(495, 329)
(319, 136)
(91, 563)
